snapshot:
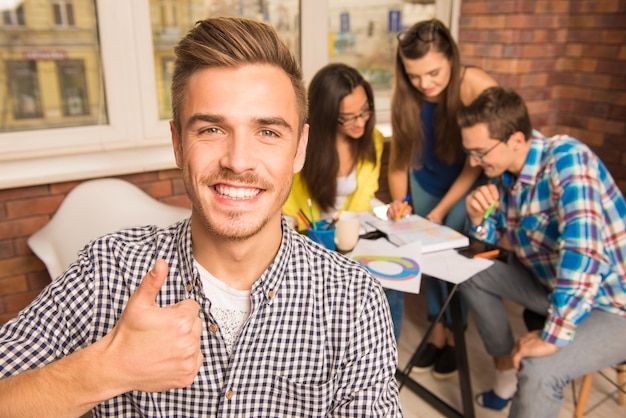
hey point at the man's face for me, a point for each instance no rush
(239, 147)
(493, 155)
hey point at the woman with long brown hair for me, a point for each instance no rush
(427, 158)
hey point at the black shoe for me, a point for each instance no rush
(445, 364)
(426, 361)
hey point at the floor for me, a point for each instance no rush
(602, 400)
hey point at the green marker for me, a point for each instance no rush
(490, 208)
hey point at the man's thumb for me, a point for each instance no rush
(151, 283)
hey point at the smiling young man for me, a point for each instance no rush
(563, 216)
(230, 312)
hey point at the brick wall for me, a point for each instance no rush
(566, 58)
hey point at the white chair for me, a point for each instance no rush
(92, 209)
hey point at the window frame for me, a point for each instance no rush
(134, 139)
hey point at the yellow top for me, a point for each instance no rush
(367, 175)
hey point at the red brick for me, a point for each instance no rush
(535, 21)
(484, 22)
(13, 284)
(18, 265)
(596, 6)
(17, 302)
(21, 227)
(606, 126)
(4, 318)
(7, 249)
(552, 6)
(38, 280)
(23, 193)
(44, 205)
(613, 37)
(613, 67)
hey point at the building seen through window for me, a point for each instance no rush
(50, 74)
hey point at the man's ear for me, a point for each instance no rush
(177, 145)
(517, 140)
(298, 161)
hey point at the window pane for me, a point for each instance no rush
(362, 33)
(171, 19)
(50, 67)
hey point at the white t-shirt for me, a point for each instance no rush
(230, 307)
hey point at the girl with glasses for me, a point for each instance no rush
(427, 159)
(343, 155)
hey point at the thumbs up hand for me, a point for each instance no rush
(153, 348)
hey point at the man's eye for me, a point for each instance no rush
(211, 130)
(267, 132)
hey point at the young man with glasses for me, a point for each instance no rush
(564, 218)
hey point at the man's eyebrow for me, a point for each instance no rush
(203, 117)
(275, 121)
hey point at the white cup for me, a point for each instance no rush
(347, 231)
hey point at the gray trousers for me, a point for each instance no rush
(600, 340)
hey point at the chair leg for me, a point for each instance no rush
(621, 379)
(583, 396)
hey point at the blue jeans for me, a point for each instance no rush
(599, 342)
(436, 291)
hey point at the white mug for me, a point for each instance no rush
(347, 231)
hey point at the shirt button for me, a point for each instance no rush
(189, 287)
(213, 328)
(229, 395)
(270, 294)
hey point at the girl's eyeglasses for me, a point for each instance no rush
(349, 120)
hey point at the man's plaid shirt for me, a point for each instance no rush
(318, 342)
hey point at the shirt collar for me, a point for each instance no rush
(531, 167)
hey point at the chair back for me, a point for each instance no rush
(92, 209)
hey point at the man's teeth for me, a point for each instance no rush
(236, 192)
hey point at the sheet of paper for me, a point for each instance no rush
(452, 267)
(396, 268)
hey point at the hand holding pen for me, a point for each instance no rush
(399, 209)
(481, 203)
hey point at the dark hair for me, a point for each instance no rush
(326, 91)
(502, 109)
(232, 42)
(407, 101)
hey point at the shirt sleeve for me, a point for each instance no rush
(581, 260)
(53, 326)
(366, 383)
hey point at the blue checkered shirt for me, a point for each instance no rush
(565, 218)
(318, 342)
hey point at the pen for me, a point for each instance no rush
(405, 203)
(335, 219)
(303, 215)
(490, 209)
(311, 212)
(488, 254)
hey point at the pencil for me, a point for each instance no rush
(405, 203)
(311, 212)
(488, 254)
(305, 220)
(303, 215)
(335, 219)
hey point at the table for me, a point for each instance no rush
(404, 379)
(454, 301)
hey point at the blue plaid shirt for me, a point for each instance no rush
(318, 342)
(565, 218)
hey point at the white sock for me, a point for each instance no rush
(506, 383)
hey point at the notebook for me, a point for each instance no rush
(433, 237)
